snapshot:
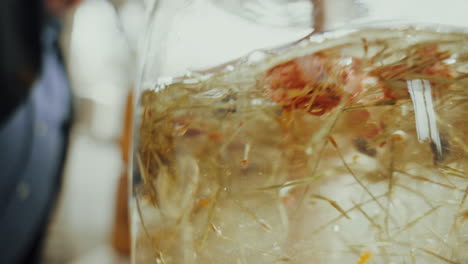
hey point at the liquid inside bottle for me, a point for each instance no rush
(344, 148)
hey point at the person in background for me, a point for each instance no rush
(35, 114)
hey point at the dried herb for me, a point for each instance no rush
(253, 163)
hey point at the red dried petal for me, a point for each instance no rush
(294, 83)
(424, 54)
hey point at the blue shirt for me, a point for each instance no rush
(32, 148)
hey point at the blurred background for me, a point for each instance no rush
(99, 42)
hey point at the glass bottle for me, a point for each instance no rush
(302, 132)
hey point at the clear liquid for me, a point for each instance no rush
(340, 150)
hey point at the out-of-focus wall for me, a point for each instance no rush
(99, 39)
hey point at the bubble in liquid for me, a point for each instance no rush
(336, 228)
(256, 57)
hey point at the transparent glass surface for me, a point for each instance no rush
(327, 138)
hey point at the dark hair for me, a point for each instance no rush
(20, 51)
